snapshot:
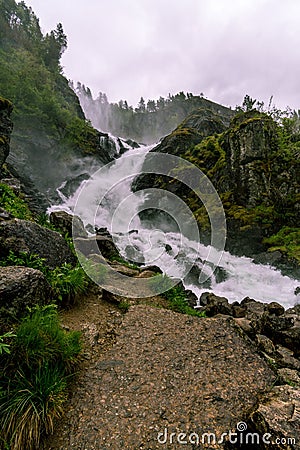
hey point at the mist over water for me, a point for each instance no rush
(159, 243)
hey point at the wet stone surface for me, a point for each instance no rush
(166, 373)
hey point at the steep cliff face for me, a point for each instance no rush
(6, 127)
(250, 145)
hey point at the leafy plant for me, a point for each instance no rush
(5, 348)
(124, 306)
(24, 259)
(67, 281)
(13, 203)
(34, 382)
(179, 303)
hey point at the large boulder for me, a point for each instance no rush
(5, 129)
(21, 287)
(175, 372)
(104, 242)
(24, 236)
(215, 305)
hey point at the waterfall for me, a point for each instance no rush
(160, 244)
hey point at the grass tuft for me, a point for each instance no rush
(33, 387)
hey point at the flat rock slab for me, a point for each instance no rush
(167, 373)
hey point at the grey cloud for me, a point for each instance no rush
(129, 48)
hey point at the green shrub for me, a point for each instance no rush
(13, 203)
(67, 281)
(36, 372)
(179, 303)
(40, 337)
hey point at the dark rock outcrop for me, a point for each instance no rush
(104, 242)
(29, 237)
(65, 223)
(216, 305)
(5, 129)
(196, 127)
(21, 287)
(249, 143)
(275, 333)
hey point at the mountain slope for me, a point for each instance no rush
(150, 121)
(50, 129)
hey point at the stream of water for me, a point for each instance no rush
(160, 243)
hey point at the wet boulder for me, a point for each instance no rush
(21, 287)
(215, 305)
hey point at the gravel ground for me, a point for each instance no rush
(155, 371)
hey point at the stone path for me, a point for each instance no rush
(166, 373)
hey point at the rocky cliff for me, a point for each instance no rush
(5, 129)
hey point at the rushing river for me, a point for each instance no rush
(160, 243)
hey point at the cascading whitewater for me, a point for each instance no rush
(158, 243)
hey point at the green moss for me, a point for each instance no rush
(13, 203)
(287, 240)
(261, 215)
(182, 131)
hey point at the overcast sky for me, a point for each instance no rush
(223, 48)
